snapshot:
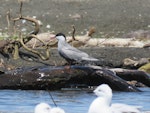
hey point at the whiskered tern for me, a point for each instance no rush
(70, 53)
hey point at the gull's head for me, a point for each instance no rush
(42, 108)
(61, 37)
(103, 90)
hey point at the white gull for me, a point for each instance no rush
(46, 108)
(102, 104)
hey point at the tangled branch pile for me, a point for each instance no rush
(18, 40)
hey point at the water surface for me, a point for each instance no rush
(24, 101)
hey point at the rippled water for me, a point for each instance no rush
(22, 101)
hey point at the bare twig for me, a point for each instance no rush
(34, 36)
(8, 19)
(91, 31)
(35, 21)
(105, 39)
(73, 32)
(21, 4)
(37, 26)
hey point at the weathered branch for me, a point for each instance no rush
(36, 52)
(111, 78)
(137, 75)
(146, 45)
(34, 36)
(37, 26)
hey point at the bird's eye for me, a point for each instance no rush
(99, 90)
(48, 108)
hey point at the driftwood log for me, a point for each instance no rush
(129, 75)
(57, 77)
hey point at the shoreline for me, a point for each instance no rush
(110, 55)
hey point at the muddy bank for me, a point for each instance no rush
(111, 17)
(110, 57)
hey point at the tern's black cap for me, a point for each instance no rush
(60, 34)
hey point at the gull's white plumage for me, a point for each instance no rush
(102, 104)
(57, 110)
(42, 108)
(46, 108)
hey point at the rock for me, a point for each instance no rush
(145, 68)
(129, 63)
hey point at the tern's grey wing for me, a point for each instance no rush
(73, 53)
(76, 54)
